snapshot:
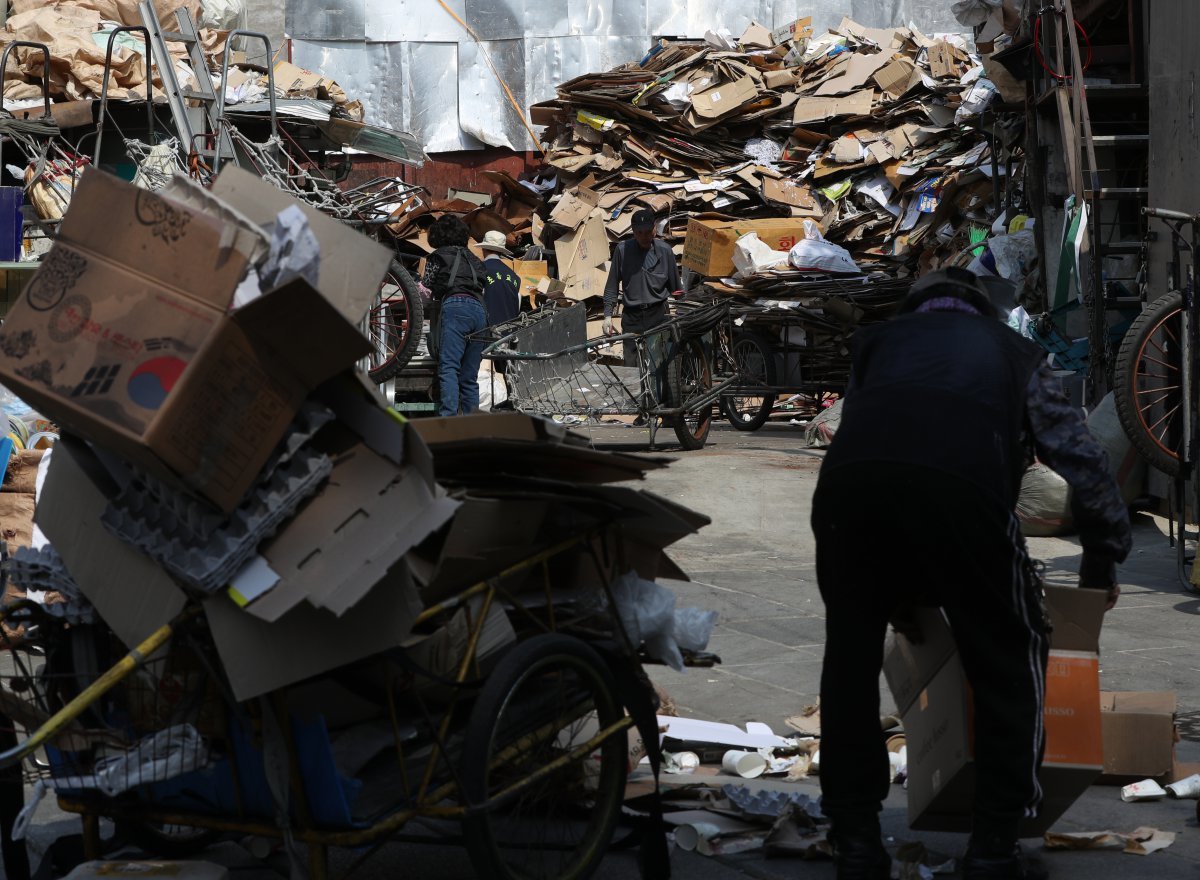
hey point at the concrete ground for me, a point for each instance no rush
(754, 565)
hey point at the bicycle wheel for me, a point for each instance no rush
(546, 695)
(1148, 386)
(755, 365)
(394, 324)
(689, 375)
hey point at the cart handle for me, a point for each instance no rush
(89, 695)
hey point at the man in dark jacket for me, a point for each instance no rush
(501, 286)
(455, 276)
(915, 504)
(644, 274)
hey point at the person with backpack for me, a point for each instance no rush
(455, 277)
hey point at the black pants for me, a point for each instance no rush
(889, 532)
(635, 320)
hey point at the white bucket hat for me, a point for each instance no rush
(496, 241)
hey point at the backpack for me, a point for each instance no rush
(459, 272)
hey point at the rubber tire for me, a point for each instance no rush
(1125, 381)
(154, 842)
(762, 349)
(399, 356)
(693, 350)
(523, 661)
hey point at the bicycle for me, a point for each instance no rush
(1155, 379)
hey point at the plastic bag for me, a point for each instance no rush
(492, 390)
(820, 430)
(222, 15)
(1013, 254)
(752, 255)
(972, 13)
(1126, 466)
(157, 758)
(647, 612)
(1044, 504)
(813, 253)
(975, 101)
(693, 628)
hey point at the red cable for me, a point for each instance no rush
(1037, 48)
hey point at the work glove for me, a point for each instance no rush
(609, 330)
(1099, 573)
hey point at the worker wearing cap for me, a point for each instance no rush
(915, 505)
(644, 274)
(501, 287)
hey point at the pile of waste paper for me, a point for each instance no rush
(858, 151)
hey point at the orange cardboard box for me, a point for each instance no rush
(934, 699)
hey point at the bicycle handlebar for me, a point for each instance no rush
(1164, 214)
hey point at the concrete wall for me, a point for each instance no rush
(1174, 72)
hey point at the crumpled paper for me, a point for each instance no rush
(1139, 842)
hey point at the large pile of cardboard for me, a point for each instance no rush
(873, 133)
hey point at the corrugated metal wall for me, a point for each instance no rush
(1174, 72)
(415, 67)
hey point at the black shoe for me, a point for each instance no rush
(1015, 866)
(860, 856)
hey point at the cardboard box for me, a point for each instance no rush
(126, 336)
(1138, 730)
(708, 247)
(938, 720)
(531, 273)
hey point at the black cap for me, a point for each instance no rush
(643, 219)
(952, 281)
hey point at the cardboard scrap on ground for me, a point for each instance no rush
(1139, 842)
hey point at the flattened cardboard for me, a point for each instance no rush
(259, 657)
(724, 98)
(757, 36)
(897, 77)
(1138, 729)
(343, 541)
(574, 206)
(132, 594)
(582, 250)
(790, 192)
(856, 73)
(813, 109)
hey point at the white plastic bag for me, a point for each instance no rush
(693, 628)
(492, 390)
(814, 254)
(752, 255)
(975, 101)
(222, 15)
(1013, 254)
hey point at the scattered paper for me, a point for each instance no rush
(1139, 842)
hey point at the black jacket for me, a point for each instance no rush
(454, 270)
(944, 390)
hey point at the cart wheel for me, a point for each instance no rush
(688, 375)
(394, 324)
(755, 363)
(1148, 383)
(547, 693)
(167, 841)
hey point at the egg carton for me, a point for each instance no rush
(770, 804)
(198, 521)
(42, 571)
(207, 562)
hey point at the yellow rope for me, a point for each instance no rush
(488, 58)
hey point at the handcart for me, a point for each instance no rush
(667, 382)
(792, 343)
(523, 752)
